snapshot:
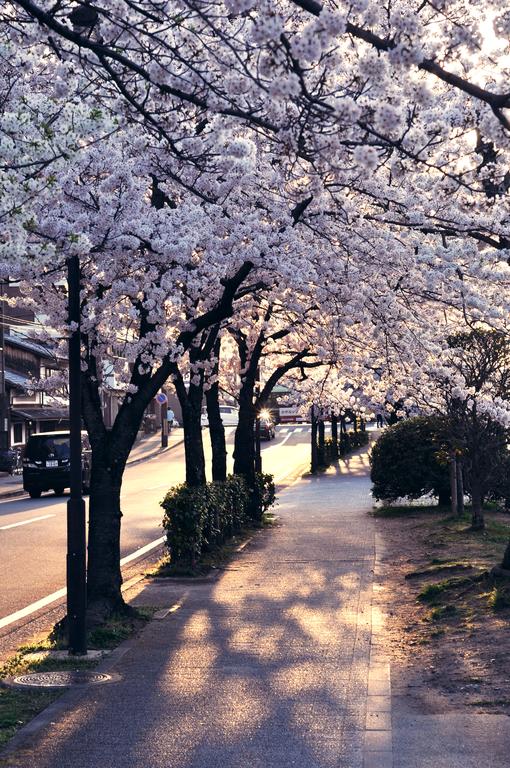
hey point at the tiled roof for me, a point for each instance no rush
(31, 346)
(17, 380)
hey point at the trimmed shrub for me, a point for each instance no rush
(186, 511)
(200, 518)
(405, 460)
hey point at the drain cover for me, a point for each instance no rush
(61, 679)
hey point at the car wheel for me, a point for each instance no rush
(59, 490)
(34, 494)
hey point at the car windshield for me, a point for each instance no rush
(42, 447)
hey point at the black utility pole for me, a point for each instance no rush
(76, 538)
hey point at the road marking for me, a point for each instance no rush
(44, 601)
(25, 522)
(142, 550)
(270, 447)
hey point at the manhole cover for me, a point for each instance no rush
(61, 679)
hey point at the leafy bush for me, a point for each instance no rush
(199, 518)
(405, 460)
(186, 511)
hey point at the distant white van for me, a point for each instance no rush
(229, 416)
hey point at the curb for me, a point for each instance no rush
(378, 743)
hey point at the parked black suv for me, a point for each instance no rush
(46, 463)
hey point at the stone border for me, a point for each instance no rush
(378, 747)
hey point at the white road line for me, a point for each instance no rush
(25, 522)
(44, 601)
(271, 447)
(142, 550)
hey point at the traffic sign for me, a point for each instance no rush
(161, 398)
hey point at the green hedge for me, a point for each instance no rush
(199, 518)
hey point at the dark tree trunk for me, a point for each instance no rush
(244, 444)
(343, 427)
(460, 488)
(453, 484)
(477, 517)
(103, 571)
(110, 452)
(314, 463)
(334, 434)
(444, 498)
(217, 435)
(506, 558)
(321, 449)
(193, 444)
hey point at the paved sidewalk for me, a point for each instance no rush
(265, 666)
(145, 448)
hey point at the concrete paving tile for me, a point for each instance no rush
(380, 671)
(378, 721)
(378, 760)
(379, 704)
(378, 741)
(379, 688)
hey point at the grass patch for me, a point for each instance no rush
(17, 708)
(432, 592)
(443, 612)
(440, 567)
(118, 628)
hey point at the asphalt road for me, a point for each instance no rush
(33, 531)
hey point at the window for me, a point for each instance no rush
(17, 433)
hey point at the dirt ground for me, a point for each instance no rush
(448, 619)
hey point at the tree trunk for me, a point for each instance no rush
(103, 570)
(334, 434)
(453, 484)
(244, 444)
(444, 497)
(193, 444)
(506, 558)
(313, 439)
(321, 449)
(460, 488)
(217, 435)
(477, 518)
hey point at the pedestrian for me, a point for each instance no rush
(379, 420)
(170, 418)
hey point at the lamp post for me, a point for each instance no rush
(76, 537)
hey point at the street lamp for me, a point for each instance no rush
(76, 536)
